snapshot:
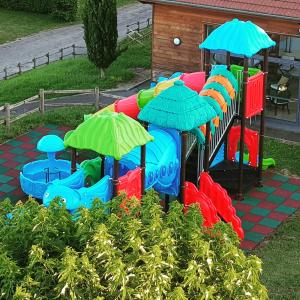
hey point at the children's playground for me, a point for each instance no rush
(186, 137)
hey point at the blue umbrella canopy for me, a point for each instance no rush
(238, 37)
(178, 107)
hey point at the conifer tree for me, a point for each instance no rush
(100, 31)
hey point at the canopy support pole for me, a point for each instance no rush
(73, 160)
(228, 63)
(243, 125)
(206, 149)
(262, 118)
(115, 178)
(183, 165)
(143, 163)
(102, 164)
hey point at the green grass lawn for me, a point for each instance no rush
(281, 261)
(16, 24)
(287, 156)
(76, 73)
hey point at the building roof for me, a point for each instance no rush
(284, 9)
(178, 107)
(238, 37)
(109, 133)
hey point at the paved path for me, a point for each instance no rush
(25, 49)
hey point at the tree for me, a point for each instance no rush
(100, 31)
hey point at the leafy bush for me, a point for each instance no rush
(143, 254)
(63, 9)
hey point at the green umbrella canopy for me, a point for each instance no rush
(178, 107)
(109, 133)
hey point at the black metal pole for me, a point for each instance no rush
(115, 178)
(207, 65)
(167, 201)
(228, 62)
(206, 149)
(262, 118)
(102, 165)
(143, 168)
(242, 137)
(183, 164)
(73, 160)
(143, 163)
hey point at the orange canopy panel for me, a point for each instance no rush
(225, 82)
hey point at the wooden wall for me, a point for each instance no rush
(189, 25)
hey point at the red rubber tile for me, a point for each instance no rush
(273, 183)
(247, 245)
(292, 203)
(243, 207)
(278, 216)
(252, 218)
(13, 172)
(267, 205)
(10, 164)
(24, 138)
(7, 155)
(259, 195)
(262, 229)
(283, 193)
(28, 146)
(295, 181)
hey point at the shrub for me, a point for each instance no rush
(100, 31)
(143, 254)
(65, 10)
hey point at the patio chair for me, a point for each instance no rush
(281, 85)
(279, 99)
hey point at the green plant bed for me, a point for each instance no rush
(77, 73)
(16, 24)
(139, 253)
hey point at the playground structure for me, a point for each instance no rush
(181, 115)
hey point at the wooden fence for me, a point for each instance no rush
(46, 59)
(7, 118)
(139, 31)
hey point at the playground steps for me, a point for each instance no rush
(226, 173)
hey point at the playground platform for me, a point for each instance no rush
(262, 211)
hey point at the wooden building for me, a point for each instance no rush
(188, 20)
(180, 25)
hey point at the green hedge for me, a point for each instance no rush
(142, 253)
(63, 9)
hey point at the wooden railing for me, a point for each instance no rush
(39, 104)
(46, 59)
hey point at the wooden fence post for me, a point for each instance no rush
(97, 98)
(7, 115)
(74, 50)
(34, 63)
(42, 101)
(5, 73)
(61, 53)
(20, 68)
